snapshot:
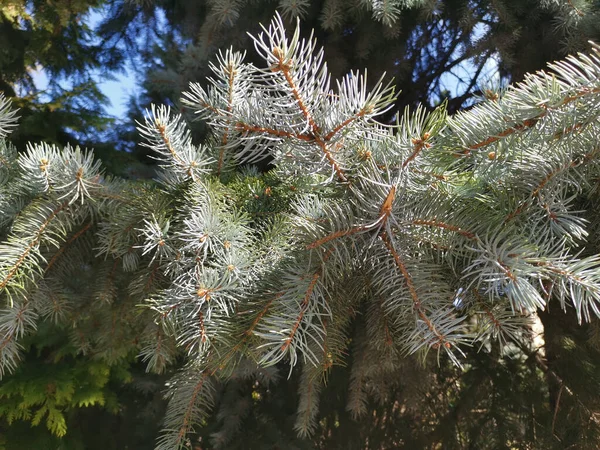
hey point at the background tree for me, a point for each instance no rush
(55, 386)
(55, 41)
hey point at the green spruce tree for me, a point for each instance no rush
(364, 243)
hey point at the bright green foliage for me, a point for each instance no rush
(25, 396)
(363, 244)
(53, 380)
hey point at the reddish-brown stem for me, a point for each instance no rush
(240, 126)
(559, 271)
(260, 315)
(163, 133)
(384, 213)
(150, 278)
(344, 124)
(568, 130)
(570, 165)
(249, 331)
(486, 310)
(528, 123)
(335, 235)
(188, 411)
(446, 226)
(7, 340)
(229, 109)
(304, 307)
(62, 249)
(31, 246)
(419, 144)
(284, 68)
(202, 328)
(411, 288)
(211, 108)
(580, 14)
(307, 410)
(509, 273)
(386, 207)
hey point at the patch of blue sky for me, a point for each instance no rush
(118, 86)
(457, 80)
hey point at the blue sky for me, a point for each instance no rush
(118, 89)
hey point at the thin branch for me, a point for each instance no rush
(224, 139)
(344, 124)
(62, 249)
(303, 308)
(527, 123)
(163, 133)
(284, 68)
(36, 238)
(562, 387)
(244, 127)
(419, 144)
(413, 291)
(445, 226)
(190, 408)
(565, 167)
(531, 122)
(335, 235)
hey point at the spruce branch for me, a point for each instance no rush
(434, 233)
(8, 117)
(23, 252)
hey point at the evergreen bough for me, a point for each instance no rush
(438, 232)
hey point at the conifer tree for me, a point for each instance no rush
(55, 42)
(363, 244)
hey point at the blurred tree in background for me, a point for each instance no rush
(53, 37)
(51, 63)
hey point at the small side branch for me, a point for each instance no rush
(335, 235)
(528, 123)
(248, 332)
(244, 127)
(303, 308)
(284, 68)
(419, 145)
(231, 70)
(344, 124)
(413, 291)
(384, 212)
(445, 226)
(565, 167)
(62, 249)
(531, 122)
(36, 239)
(162, 129)
(187, 418)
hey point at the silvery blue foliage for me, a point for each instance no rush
(440, 232)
